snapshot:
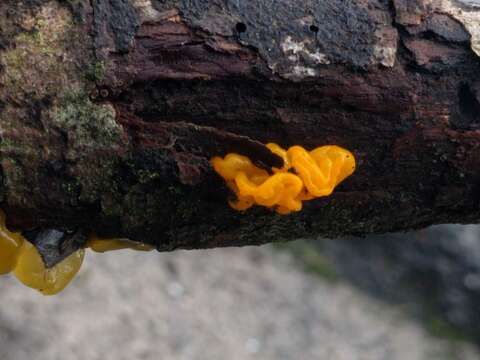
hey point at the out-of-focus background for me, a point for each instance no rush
(399, 296)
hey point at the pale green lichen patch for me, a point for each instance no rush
(94, 140)
(48, 124)
(88, 126)
(41, 61)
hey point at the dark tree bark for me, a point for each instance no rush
(111, 109)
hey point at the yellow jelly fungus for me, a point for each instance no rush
(305, 175)
(10, 244)
(323, 168)
(103, 245)
(31, 270)
(21, 257)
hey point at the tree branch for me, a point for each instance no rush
(110, 111)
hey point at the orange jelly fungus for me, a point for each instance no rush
(305, 175)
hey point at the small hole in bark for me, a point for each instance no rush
(241, 27)
(314, 28)
(104, 93)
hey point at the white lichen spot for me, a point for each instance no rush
(303, 71)
(385, 55)
(290, 45)
(319, 57)
(385, 48)
(297, 49)
(146, 10)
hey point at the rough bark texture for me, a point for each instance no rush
(111, 109)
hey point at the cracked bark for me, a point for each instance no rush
(111, 109)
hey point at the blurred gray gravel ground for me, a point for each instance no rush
(227, 304)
